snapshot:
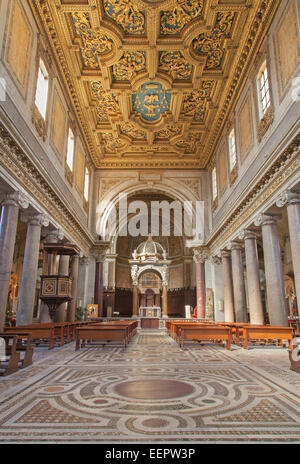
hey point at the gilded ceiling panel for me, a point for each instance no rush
(151, 80)
(126, 14)
(211, 44)
(129, 65)
(131, 130)
(93, 43)
(172, 21)
(174, 64)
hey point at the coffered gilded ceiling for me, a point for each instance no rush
(151, 81)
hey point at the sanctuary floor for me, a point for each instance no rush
(152, 392)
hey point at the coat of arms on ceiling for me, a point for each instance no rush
(151, 102)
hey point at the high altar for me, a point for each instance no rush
(149, 272)
(154, 311)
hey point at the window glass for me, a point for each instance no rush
(232, 150)
(41, 96)
(86, 184)
(214, 183)
(263, 90)
(70, 152)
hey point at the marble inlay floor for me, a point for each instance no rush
(152, 392)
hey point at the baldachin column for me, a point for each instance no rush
(135, 303)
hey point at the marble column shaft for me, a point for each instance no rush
(63, 269)
(274, 276)
(200, 288)
(83, 280)
(99, 286)
(227, 287)
(74, 276)
(8, 231)
(238, 280)
(253, 282)
(29, 271)
(134, 300)
(293, 211)
(164, 301)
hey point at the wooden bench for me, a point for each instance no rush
(131, 326)
(265, 332)
(101, 334)
(20, 344)
(174, 327)
(236, 330)
(39, 334)
(200, 333)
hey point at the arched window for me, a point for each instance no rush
(263, 88)
(41, 95)
(86, 184)
(232, 150)
(214, 183)
(70, 150)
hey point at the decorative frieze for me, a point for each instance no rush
(22, 169)
(285, 166)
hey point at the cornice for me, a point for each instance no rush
(18, 165)
(285, 166)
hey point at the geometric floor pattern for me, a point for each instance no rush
(152, 392)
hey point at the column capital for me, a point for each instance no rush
(100, 258)
(99, 250)
(236, 246)
(53, 236)
(17, 199)
(84, 260)
(249, 234)
(216, 259)
(35, 219)
(288, 198)
(225, 254)
(200, 256)
(266, 219)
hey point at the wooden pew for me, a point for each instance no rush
(62, 330)
(236, 329)
(14, 349)
(38, 334)
(266, 332)
(101, 334)
(174, 327)
(200, 333)
(131, 326)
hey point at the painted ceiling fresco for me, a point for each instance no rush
(151, 80)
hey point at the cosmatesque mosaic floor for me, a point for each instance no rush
(152, 392)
